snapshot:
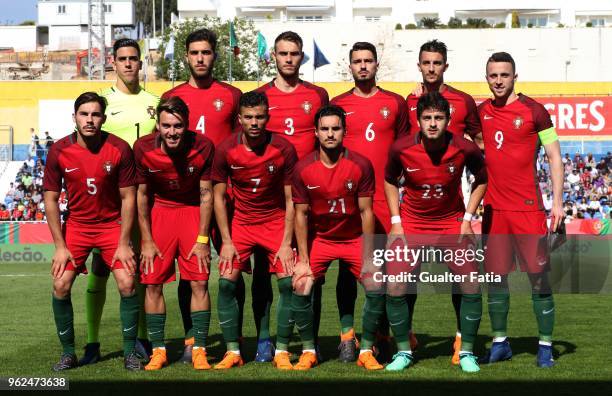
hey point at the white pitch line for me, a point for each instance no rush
(19, 275)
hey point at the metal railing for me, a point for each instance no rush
(6, 142)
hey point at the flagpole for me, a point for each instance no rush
(258, 78)
(229, 52)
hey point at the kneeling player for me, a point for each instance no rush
(97, 169)
(173, 165)
(431, 164)
(333, 189)
(259, 166)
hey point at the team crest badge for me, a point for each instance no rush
(518, 122)
(349, 184)
(385, 112)
(218, 103)
(451, 168)
(108, 167)
(451, 109)
(191, 169)
(271, 167)
(151, 111)
(307, 106)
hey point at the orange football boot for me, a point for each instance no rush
(307, 361)
(199, 360)
(158, 360)
(368, 361)
(230, 359)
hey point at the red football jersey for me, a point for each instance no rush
(212, 111)
(257, 178)
(372, 125)
(432, 184)
(510, 135)
(292, 114)
(174, 181)
(464, 114)
(92, 180)
(333, 194)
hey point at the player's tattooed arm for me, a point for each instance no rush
(124, 252)
(148, 249)
(285, 252)
(202, 250)
(62, 255)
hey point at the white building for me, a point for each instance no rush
(541, 13)
(63, 24)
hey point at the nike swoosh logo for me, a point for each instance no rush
(398, 323)
(412, 108)
(225, 321)
(303, 327)
(349, 113)
(128, 329)
(154, 170)
(70, 170)
(116, 112)
(236, 167)
(200, 332)
(272, 108)
(154, 332)
(63, 332)
(495, 302)
(487, 117)
(547, 312)
(411, 170)
(468, 318)
(312, 187)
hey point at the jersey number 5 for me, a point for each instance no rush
(91, 187)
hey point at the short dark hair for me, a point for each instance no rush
(125, 42)
(289, 36)
(502, 57)
(433, 100)
(253, 99)
(176, 106)
(363, 46)
(330, 110)
(434, 46)
(202, 35)
(87, 97)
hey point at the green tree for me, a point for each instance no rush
(27, 23)
(244, 66)
(455, 23)
(398, 26)
(144, 13)
(477, 23)
(516, 22)
(430, 23)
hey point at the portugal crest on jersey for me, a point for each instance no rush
(192, 170)
(218, 103)
(307, 106)
(271, 167)
(108, 167)
(385, 112)
(518, 122)
(151, 112)
(349, 184)
(451, 168)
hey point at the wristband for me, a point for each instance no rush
(467, 216)
(202, 239)
(396, 219)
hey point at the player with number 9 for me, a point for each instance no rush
(98, 171)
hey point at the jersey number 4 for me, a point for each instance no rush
(201, 126)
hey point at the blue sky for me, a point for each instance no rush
(16, 11)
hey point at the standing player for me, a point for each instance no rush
(464, 122)
(293, 104)
(333, 189)
(173, 166)
(514, 128)
(431, 164)
(259, 166)
(375, 118)
(97, 169)
(213, 112)
(130, 113)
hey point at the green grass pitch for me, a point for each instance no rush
(29, 347)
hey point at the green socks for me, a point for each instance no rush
(499, 305)
(156, 324)
(397, 310)
(129, 307)
(142, 316)
(544, 309)
(94, 304)
(373, 309)
(470, 314)
(201, 323)
(283, 317)
(228, 313)
(301, 308)
(64, 322)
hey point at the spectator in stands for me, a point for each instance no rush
(589, 160)
(5, 214)
(48, 142)
(26, 180)
(11, 190)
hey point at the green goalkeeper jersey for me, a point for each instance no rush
(129, 116)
